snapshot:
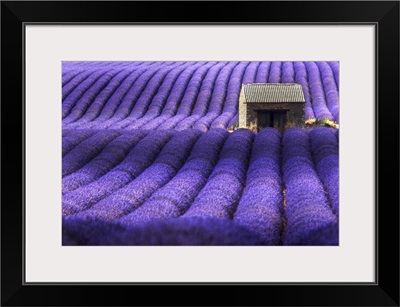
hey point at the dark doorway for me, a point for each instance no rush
(275, 119)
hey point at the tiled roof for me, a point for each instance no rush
(273, 92)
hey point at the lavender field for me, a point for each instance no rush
(152, 156)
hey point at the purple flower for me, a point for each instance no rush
(263, 72)
(307, 210)
(110, 156)
(156, 105)
(86, 150)
(128, 198)
(275, 72)
(70, 140)
(176, 196)
(302, 78)
(97, 105)
(191, 92)
(218, 97)
(317, 92)
(330, 88)
(76, 88)
(124, 94)
(230, 107)
(175, 97)
(220, 195)
(261, 205)
(325, 150)
(288, 73)
(187, 231)
(91, 96)
(146, 96)
(335, 69)
(211, 96)
(181, 95)
(145, 151)
(75, 75)
(141, 157)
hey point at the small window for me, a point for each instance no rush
(275, 119)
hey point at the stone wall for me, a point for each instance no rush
(242, 110)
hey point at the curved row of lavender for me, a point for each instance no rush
(181, 95)
(272, 188)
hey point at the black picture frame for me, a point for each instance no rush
(384, 292)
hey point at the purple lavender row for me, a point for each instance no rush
(87, 150)
(301, 77)
(218, 97)
(176, 196)
(335, 69)
(330, 88)
(211, 95)
(250, 73)
(164, 168)
(190, 95)
(80, 88)
(82, 76)
(78, 85)
(175, 98)
(230, 107)
(213, 86)
(309, 217)
(68, 66)
(261, 206)
(91, 96)
(288, 73)
(325, 149)
(263, 72)
(222, 192)
(78, 73)
(120, 104)
(140, 158)
(67, 132)
(170, 91)
(108, 158)
(71, 69)
(317, 92)
(172, 232)
(275, 72)
(150, 91)
(73, 139)
(102, 98)
(67, 77)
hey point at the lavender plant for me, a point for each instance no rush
(128, 198)
(140, 158)
(309, 217)
(221, 194)
(108, 158)
(260, 207)
(325, 149)
(147, 158)
(177, 195)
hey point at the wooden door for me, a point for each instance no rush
(275, 119)
(264, 119)
(279, 120)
